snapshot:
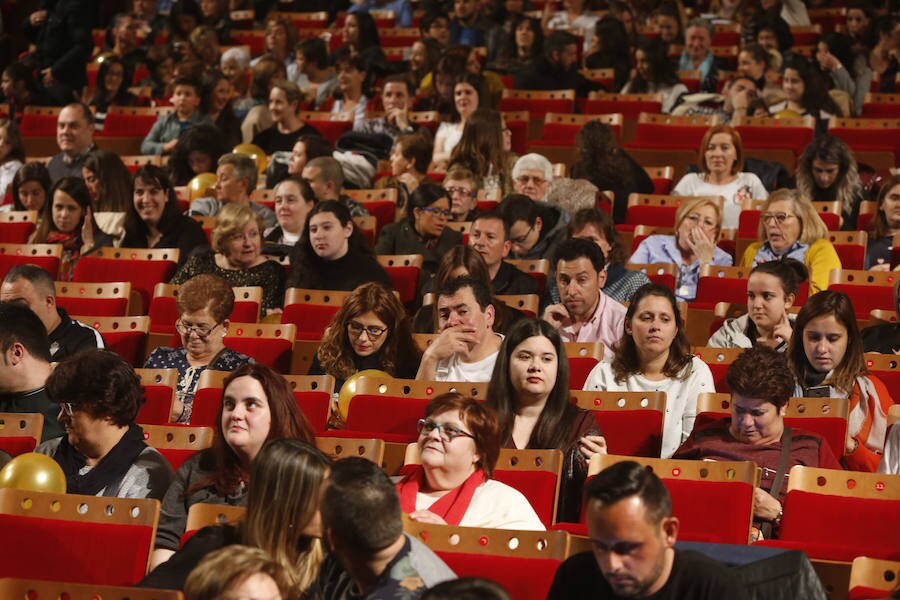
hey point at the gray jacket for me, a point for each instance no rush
(733, 334)
(210, 207)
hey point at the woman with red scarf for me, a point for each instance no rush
(459, 443)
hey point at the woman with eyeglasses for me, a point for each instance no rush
(204, 304)
(791, 228)
(332, 254)
(459, 444)
(370, 331)
(236, 256)
(529, 389)
(698, 223)
(424, 231)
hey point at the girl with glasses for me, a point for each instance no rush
(790, 228)
(204, 304)
(424, 231)
(459, 444)
(370, 331)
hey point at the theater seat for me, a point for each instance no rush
(178, 442)
(16, 226)
(20, 432)
(46, 256)
(631, 422)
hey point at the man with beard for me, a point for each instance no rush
(633, 533)
(557, 68)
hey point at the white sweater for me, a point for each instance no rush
(495, 505)
(681, 396)
(747, 185)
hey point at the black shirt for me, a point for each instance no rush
(271, 140)
(693, 576)
(511, 281)
(70, 337)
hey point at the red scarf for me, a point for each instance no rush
(451, 507)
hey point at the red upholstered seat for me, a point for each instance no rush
(857, 526)
(45, 256)
(652, 215)
(15, 445)
(164, 312)
(310, 319)
(110, 264)
(120, 125)
(632, 432)
(93, 306)
(385, 414)
(130, 345)
(862, 592)
(538, 486)
(579, 368)
(523, 578)
(34, 125)
(315, 405)
(711, 511)
(157, 407)
(272, 352)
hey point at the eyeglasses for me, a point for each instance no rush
(250, 235)
(778, 217)
(521, 239)
(67, 408)
(438, 212)
(357, 329)
(202, 331)
(447, 432)
(536, 179)
(460, 190)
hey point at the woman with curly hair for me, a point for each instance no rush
(600, 160)
(197, 151)
(370, 331)
(827, 171)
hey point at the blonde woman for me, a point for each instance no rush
(790, 228)
(698, 223)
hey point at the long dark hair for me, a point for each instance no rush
(122, 96)
(114, 180)
(553, 427)
(135, 228)
(599, 158)
(33, 171)
(202, 137)
(878, 228)
(626, 361)
(288, 421)
(661, 69)
(309, 266)
(815, 92)
(481, 146)
(76, 189)
(368, 31)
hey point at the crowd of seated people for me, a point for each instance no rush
(329, 122)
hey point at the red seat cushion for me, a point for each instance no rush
(94, 307)
(538, 486)
(176, 457)
(7, 261)
(711, 511)
(579, 368)
(15, 445)
(632, 432)
(310, 319)
(315, 406)
(523, 578)
(272, 352)
(157, 407)
(73, 551)
(386, 414)
(143, 274)
(17, 233)
(130, 345)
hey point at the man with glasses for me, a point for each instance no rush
(236, 178)
(489, 237)
(532, 175)
(535, 228)
(26, 366)
(633, 534)
(463, 187)
(467, 346)
(32, 286)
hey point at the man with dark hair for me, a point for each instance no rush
(734, 100)
(630, 524)
(25, 367)
(468, 25)
(397, 94)
(556, 68)
(585, 313)
(32, 286)
(75, 137)
(435, 24)
(370, 555)
(123, 32)
(535, 228)
(467, 346)
(325, 177)
(236, 178)
(489, 237)
(97, 396)
(61, 34)
(311, 58)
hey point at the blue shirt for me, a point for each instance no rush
(664, 249)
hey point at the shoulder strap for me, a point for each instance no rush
(786, 440)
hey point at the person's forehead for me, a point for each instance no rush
(581, 264)
(459, 297)
(488, 225)
(448, 183)
(72, 115)
(589, 230)
(226, 169)
(532, 172)
(395, 87)
(19, 288)
(748, 403)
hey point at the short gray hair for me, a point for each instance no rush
(701, 22)
(533, 161)
(241, 55)
(244, 168)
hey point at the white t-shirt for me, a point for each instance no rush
(747, 185)
(495, 505)
(454, 369)
(681, 396)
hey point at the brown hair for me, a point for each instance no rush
(336, 353)
(206, 292)
(761, 372)
(230, 566)
(735, 140)
(812, 227)
(879, 226)
(481, 420)
(838, 305)
(232, 220)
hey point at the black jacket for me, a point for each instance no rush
(72, 336)
(64, 41)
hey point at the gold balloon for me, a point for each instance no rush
(33, 472)
(254, 152)
(348, 390)
(202, 185)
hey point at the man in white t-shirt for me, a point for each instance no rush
(467, 346)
